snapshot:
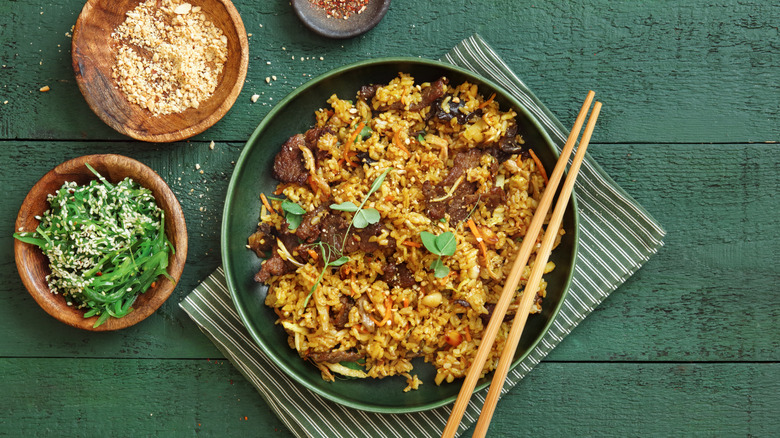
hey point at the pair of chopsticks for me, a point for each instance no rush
(513, 278)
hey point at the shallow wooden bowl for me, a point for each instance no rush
(33, 265)
(93, 57)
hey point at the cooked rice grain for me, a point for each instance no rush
(438, 319)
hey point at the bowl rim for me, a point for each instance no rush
(228, 206)
(79, 62)
(177, 260)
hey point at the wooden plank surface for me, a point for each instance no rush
(168, 397)
(688, 346)
(697, 71)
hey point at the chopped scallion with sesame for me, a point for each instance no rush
(106, 244)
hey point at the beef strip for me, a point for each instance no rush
(271, 267)
(367, 92)
(398, 275)
(312, 137)
(360, 240)
(307, 231)
(431, 94)
(335, 356)
(341, 317)
(494, 197)
(332, 230)
(459, 204)
(262, 240)
(334, 227)
(276, 265)
(288, 163)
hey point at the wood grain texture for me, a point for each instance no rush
(103, 397)
(700, 71)
(209, 397)
(689, 345)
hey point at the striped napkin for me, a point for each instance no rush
(616, 237)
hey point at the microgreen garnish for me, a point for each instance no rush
(105, 242)
(421, 138)
(293, 214)
(328, 252)
(363, 217)
(442, 245)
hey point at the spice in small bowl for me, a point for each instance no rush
(103, 255)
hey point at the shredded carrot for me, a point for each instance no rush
(468, 333)
(351, 140)
(413, 244)
(313, 254)
(266, 203)
(397, 141)
(406, 302)
(278, 313)
(487, 102)
(389, 198)
(280, 189)
(480, 240)
(539, 165)
(388, 311)
(154, 283)
(353, 285)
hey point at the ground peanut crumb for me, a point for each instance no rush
(169, 57)
(255, 97)
(44, 89)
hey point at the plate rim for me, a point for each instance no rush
(238, 168)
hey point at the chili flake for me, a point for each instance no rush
(341, 8)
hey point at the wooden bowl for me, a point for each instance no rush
(33, 265)
(93, 58)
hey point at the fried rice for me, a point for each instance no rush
(363, 299)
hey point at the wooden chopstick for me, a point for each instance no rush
(513, 279)
(542, 255)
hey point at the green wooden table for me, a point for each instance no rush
(689, 345)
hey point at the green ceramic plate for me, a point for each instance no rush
(252, 175)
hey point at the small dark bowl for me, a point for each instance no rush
(316, 19)
(33, 265)
(93, 58)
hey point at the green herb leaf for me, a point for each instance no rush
(365, 132)
(293, 220)
(344, 206)
(378, 182)
(366, 217)
(339, 261)
(421, 138)
(429, 240)
(440, 270)
(446, 243)
(292, 207)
